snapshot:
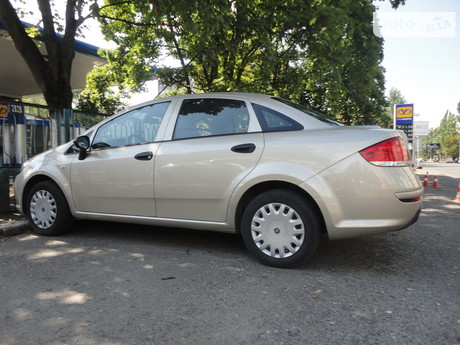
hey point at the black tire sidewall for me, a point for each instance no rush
(64, 219)
(305, 211)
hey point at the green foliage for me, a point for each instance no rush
(396, 3)
(395, 97)
(320, 53)
(106, 101)
(451, 145)
(447, 134)
(33, 32)
(108, 85)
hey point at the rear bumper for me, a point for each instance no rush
(359, 199)
(413, 220)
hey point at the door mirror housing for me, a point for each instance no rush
(83, 144)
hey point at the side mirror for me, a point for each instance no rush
(83, 144)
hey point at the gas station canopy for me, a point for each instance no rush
(16, 80)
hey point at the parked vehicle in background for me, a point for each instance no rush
(276, 172)
(449, 160)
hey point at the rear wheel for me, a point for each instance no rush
(47, 209)
(280, 228)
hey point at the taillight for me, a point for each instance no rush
(388, 153)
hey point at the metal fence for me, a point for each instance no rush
(28, 129)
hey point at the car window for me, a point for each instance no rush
(135, 127)
(273, 121)
(209, 116)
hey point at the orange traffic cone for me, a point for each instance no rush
(425, 180)
(435, 182)
(457, 198)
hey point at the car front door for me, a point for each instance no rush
(117, 175)
(215, 144)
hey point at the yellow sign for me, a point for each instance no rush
(3, 110)
(405, 111)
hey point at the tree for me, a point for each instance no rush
(318, 53)
(447, 134)
(53, 71)
(396, 3)
(395, 97)
(100, 94)
(451, 145)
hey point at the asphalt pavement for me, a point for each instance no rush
(107, 283)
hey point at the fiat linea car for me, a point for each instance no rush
(279, 174)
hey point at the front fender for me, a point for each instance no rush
(52, 165)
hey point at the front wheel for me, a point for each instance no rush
(47, 209)
(280, 228)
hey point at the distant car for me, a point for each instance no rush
(418, 163)
(276, 172)
(449, 160)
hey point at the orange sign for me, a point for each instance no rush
(3, 110)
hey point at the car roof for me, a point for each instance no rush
(252, 96)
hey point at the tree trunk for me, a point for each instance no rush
(52, 72)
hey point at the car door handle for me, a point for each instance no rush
(244, 148)
(144, 156)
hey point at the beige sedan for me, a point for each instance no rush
(279, 174)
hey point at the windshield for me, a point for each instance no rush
(308, 111)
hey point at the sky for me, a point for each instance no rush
(425, 68)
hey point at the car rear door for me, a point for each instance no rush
(215, 143)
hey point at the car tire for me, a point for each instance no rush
(280, 228)
(47, 209)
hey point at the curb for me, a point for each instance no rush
(14, 228)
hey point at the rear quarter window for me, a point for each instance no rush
(273, 121)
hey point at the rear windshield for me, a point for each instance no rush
(316, 114)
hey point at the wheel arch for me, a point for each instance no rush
(29, 185)
(270, 185)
